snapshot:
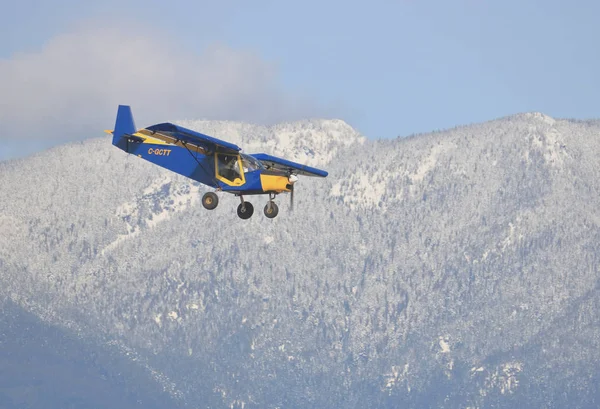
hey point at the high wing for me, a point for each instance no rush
(273, 162)
(181, 136)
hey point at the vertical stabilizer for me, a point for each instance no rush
(124, 124)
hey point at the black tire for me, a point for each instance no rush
(271, 211)
(245, 210)
(210, 200)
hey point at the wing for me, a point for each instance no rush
(181, 136)
(273, 162)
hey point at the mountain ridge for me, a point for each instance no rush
(424, 271)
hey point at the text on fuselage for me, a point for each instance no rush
(159, 152)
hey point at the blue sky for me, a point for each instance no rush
(388, 68)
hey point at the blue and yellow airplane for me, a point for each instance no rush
(211, 161)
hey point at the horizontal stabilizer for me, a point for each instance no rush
(134, 138)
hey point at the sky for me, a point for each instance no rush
(387, 67)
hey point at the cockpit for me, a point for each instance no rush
(228, 167)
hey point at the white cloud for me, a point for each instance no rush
(75, 82)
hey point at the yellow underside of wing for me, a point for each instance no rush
(159, 139)
(168, 140)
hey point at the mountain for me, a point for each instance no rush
(452, 269)
(44, 366)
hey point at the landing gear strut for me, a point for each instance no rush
(245, 209)
(271, 209)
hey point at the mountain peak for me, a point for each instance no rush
(535, 116)
(310, 141)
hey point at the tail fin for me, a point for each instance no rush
(124, 124)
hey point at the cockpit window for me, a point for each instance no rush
(249, 163)
(228, 166)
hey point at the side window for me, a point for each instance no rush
(228, 166)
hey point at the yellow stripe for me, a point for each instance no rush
(153, 141)
(168, 140)
(236, 182)
(145, 137)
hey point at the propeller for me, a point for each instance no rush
(293, 179)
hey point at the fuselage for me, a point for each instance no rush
(231, 172)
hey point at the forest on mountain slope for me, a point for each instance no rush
(451, 269)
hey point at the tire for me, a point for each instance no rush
(247, 212)
(271, 211)
(210, 200)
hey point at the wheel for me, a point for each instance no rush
(210, 200)
(245, 210)
(272, 210)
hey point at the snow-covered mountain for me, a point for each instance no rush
(452, 269)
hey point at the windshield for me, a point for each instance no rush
(249, 163)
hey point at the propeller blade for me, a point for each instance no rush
(293, 179)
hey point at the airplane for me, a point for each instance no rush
(212, 162)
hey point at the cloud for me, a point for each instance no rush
(71, 88)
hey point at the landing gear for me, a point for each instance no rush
(271, 209)
(245, 209)
(210, 200)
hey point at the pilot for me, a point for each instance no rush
(231, 167)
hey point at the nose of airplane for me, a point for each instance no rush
(275, 183)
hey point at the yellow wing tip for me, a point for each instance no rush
(108, 131)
